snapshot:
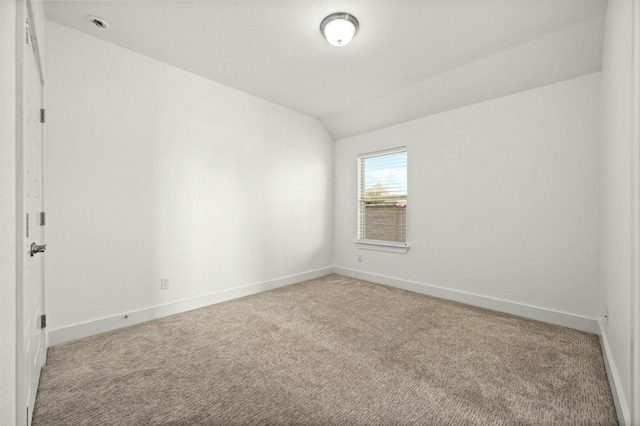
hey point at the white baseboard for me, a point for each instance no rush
(65, 334)
(624, 416)
(563, 319)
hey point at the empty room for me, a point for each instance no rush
(297, 212)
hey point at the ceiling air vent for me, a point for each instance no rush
(100, 23)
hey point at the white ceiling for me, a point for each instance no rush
(409, 59)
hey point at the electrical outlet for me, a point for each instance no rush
(164, 283)
(606, 315)
(359, 258)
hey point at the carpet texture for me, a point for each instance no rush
(330, 351)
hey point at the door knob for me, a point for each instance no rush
(37, 249)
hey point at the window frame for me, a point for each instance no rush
(379, 245)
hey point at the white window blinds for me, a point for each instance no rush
(382, 196)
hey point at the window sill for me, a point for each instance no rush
(388, 247)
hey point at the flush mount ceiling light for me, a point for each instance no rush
(339, 28)
(100, 23)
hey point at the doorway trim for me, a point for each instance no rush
(634, 405)
(8, 103)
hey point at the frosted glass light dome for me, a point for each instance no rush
(339, 28)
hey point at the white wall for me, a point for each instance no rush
(155, 172)
(7, 212)
(617, 228)
(503, 199)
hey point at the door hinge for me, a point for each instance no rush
(26, 32)
(42, 115)
(43, 321)
(43, 218)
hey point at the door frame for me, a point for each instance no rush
(635, 212)
(8, 104)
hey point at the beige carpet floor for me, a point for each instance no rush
(330, 351)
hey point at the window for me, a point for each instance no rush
(382, 198)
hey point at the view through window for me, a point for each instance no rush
(382, 196)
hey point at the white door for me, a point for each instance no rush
(33, 343)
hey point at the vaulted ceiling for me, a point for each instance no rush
(409, 58)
